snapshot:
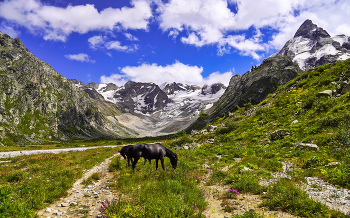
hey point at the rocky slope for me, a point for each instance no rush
(38, 104)
(312, 46)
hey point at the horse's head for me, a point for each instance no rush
(173, 160)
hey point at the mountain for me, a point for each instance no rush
(38, 104)
(252, 87)
(312, 46)
(154, 110)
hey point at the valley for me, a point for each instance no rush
(274, 143)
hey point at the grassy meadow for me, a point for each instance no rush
(242, 140)
(30, 183)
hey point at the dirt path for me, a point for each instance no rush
(82, 200)
(6, 154)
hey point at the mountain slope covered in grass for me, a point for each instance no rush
(302, 126)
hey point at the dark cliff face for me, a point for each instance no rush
(142, 97)
(39, 104)
(254, 86)
(310, 30)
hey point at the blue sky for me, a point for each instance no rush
(193, 42)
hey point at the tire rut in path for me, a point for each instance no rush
(82, 199)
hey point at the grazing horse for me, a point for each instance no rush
(126, 152)
(153, 151)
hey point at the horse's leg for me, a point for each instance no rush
(162, 161)
(157, 163)
(149, 160)
(135, 162)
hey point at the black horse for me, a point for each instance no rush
(153, 151)
(126, 152)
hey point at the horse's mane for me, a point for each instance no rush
(169, 151)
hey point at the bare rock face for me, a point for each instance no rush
(141, 97)
(39, 104)
(254, 86)
(312, 46)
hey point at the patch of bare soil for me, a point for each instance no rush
(83, 200)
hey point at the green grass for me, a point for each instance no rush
(287, 196)
(156, 193)
(30, 183)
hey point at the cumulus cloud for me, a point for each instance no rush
(99, 42)
(80, 57)
(177, 72)
(207, 22)
(58, 23)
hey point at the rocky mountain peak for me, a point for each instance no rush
(312, 46)
(310, 30)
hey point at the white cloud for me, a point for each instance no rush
(116, 46)
(96, 41)
(80, 57)
(177, 72)
(131, 37)
(58, 23)
(208, 22)
(99, 42)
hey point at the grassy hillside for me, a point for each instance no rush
(303, 118)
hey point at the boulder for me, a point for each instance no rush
(325, 93)
(211, 128)
(194, 132)
(279, 134)
(204, 131)
(308, 146)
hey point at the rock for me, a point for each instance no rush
(204, 131)
(194, 132)
(295, 121)
(73, 203)
(279, 134)
(244, 169)
(333, 164)
(325, 93)
(186, 147)
(64, 205)
(211, 128)
(308, 146)
(48, 210)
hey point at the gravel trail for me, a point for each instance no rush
(8, 154)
